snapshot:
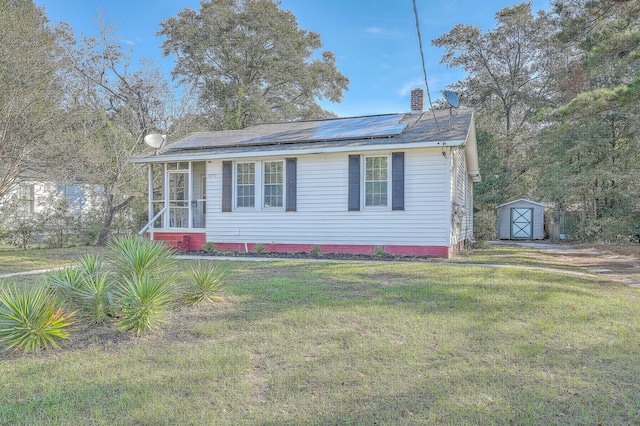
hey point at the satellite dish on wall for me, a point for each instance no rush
(154, 140)
(451, 98)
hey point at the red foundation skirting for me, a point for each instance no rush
(421, 251)
(183, 241)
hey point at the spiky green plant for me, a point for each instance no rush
(31, 319)
(68, 277)
(95, 297)
(87, 287)
(144, 301)
(134, 257)
(205, 282)
(91, 265)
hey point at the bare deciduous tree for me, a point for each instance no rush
(30, 92)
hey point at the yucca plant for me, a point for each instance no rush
(205, 282)
(91, 265)
(134, 257)
(87, 287)
(31, 319)
(95, 297)
(143, 302)
(67, 277)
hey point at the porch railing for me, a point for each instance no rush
(149, 225)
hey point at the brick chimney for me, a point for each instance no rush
(417, 101)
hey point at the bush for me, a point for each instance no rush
(206, 282)
(315, 251)
(134, 257)
(88, 287)
(143, 301)
(484, 225)
(145, 273)
(32, 319)
(68, 277)
(208, 247)
(23, 232)
(379, 251)
(260, 248)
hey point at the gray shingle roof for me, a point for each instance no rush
(337, 132)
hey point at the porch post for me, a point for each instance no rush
(189, 190)
(150, 199)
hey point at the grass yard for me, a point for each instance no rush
(517, 256)
(301, 343)
(14, 260)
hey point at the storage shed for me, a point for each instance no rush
(521, 220)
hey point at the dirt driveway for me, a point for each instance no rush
(612, 263)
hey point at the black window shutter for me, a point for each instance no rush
(227, 186)
(397, 181)
(354, 182)
(291, 184)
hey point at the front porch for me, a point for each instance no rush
(177, 204)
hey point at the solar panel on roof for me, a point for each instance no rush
(304, 131)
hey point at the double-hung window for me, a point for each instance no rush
(376, 177)
(273, 183)
(245, 185)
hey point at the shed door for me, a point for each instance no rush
(521, 222)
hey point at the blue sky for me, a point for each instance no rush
(375, 41)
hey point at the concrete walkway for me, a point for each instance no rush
(36, 272)
(284, 259)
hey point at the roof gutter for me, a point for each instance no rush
(291, 152)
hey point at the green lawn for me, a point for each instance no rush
(15, 260)
(374, 343)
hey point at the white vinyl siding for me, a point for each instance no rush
(462, 198)
(322, 215)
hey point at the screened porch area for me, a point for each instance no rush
(177, 197)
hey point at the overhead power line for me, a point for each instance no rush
(424, 68)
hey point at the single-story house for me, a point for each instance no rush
(521, 220)
(402, 183)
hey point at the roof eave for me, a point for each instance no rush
(471, 152)
(275, 153)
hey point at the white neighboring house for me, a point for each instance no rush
(33, 197)
(400, 182)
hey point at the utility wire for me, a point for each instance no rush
(424, 69)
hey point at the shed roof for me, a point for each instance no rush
(519, 200)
